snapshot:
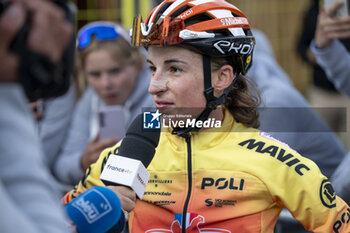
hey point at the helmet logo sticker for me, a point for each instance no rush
(186, 14)
(228, 21)
(225, 47)
(145, 31)
(249, 58)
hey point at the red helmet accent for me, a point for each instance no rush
(213, 27)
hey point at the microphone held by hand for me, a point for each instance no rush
(140, 143)
(97, 210)
(135, 154)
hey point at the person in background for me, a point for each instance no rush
(334, 58)
(233, 178)
(330, 54)
(322, 93)
(116, 74)
(53, 117)
(29, 199)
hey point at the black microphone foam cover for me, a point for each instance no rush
(139, 143)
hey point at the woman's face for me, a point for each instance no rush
(112, 81)
(177, 80)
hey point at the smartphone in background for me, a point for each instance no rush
(112, 122)
(343, 11)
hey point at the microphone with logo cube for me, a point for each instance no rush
(135, 153)
(98, 210)
(125, 171)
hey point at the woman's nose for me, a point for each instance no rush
(105, 81)
(157, 85)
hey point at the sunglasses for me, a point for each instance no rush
(100, 30)
(170, 31)
(164, 32)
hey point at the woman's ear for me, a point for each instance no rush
(221, 79)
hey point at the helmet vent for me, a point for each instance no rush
(162, 9)
(248, 32)
(235, 15)
(181, 10)
(221, 32)
(197, 19)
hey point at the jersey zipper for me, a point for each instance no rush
(189, 171)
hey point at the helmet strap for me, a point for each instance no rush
(212, 101)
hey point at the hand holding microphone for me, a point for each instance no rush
(99, 209)
(126, 195)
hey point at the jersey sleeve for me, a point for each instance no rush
(300, 187)
(92, 175)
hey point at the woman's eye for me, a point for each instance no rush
(152, 69)
(95, 75)
(115, 71)
(174, 69)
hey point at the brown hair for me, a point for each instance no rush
(240, 101)
(120, 49)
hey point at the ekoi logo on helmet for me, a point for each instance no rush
(227, 47)
(192, 224)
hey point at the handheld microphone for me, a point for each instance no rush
(97, 210)
(135, 154)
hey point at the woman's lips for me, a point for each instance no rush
(163, 105)
(110, 97)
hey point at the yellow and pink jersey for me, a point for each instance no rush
(235, 180)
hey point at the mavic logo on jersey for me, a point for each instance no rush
(151, 120)
(192, 224)
(279, 153)
(225, 47)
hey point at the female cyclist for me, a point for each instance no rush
(228, 179)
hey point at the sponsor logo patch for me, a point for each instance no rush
(192, 223)
(343, 220)
(219, 202)
(223, 183)
(327, 194)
